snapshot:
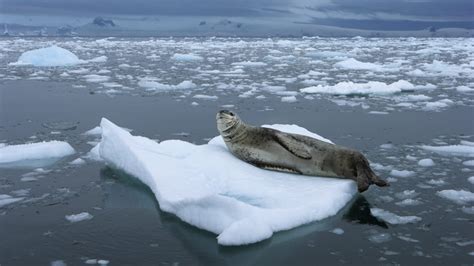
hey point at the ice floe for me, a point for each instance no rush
(34, 151)
(458, 196)
(52, 56)
(393, 218)
(74, 218)
(187, 57)
(7, 199)
(453, 150)
(426, 162)
(243, 206)
(371, 87)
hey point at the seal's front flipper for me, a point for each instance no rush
(293, 145)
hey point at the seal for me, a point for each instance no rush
(280, 151)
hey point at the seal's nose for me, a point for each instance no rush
(227, 112)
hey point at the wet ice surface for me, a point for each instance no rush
(150, 85)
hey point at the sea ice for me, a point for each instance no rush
(471, 179)
(243, 206)
(393, 218)
(35, 151)
(454, 150)
(426, 162)
(460, 197)
(371, 87)
(187, 57)
(354, 64)
(7, 199)
(74, 218)
(402, 173)
(48, 57)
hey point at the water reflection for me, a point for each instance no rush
(359, 212)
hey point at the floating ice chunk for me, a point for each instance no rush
(378, 112)
(205, 97)
(249, 64)
(354, 64)
(337, 231)
(434, 106)
(460, 197)
(393, 218)
(74, 218)
(380, 238)
(35, 151)
(99, 59)
(153, 85)
(187, 57)
(185, 85)
(289, 99)
(471, 179)
(454, 150)
(387, 146)
(468, 163)
(371, 87)
(77, 161)
(402, 173)
(437, 182)
(94, 131)
(242, 206)
(426, 162)
(48, 57)
(407, 194)
(96, 78)
(94, 154)
(7, 199)
(464, 89)
(408, 202)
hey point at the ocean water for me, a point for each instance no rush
(405, 93)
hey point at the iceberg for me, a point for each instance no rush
(207, 187)
(371, 87)
(32, 152)
(48, 57)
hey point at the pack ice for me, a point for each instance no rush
(206, 186)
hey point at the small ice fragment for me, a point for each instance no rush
(408, 202)
(77, 161)
(468, 163)
(454, 150)
(7, 199)
(402, 173)
(289, 99)
(460, 197)
(393, 218)
(386, 146)
(187, 57)
(426, 162)
(337, 231)
(380, 238)
(74, 218)
(471, 179)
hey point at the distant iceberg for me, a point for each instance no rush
(49, 56)
(206, 186)
(53, 56)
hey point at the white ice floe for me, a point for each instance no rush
(460, 197)
(154, 85)
(464, 89)
(205, 97)
(338, 231)
(426, 162)
(187, 57)
(289, 99)
(402, 173)
(471, 179)
(48, 57)
(454, 150)
(99, 59)
(468, 163)
(354, 64)
(74, 218)
(35, 151)
(96, 78)
(371, 87)
(249, 64)
(78, 161)
(408, 202)
(392, 218)
(7, 199)
(206, 186)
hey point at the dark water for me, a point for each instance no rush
(129, 228)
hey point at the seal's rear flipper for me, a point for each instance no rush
(363, 183)
(379, 182)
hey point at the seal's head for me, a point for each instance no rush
(228, 123)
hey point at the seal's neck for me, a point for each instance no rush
(236, 132)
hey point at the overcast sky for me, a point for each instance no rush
(318, 11)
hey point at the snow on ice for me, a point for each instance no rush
(393, 218)
(48, 57)
(242, 206)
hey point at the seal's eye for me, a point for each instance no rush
(231, 114)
